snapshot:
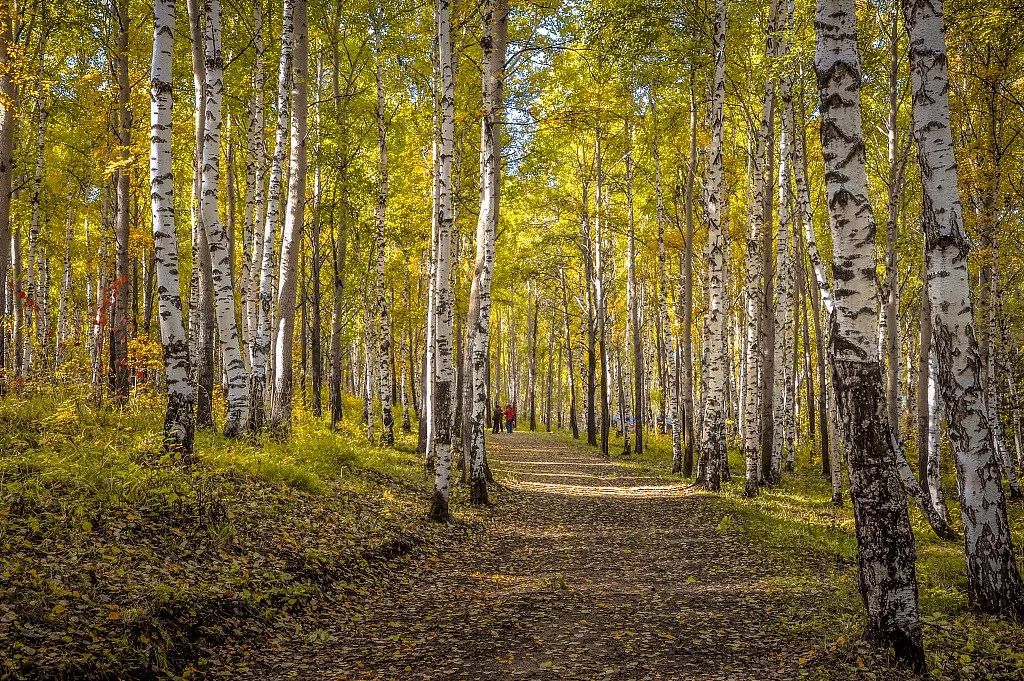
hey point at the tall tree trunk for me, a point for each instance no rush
(571, 367)
(600, 295)
(687, 276)
(387, 434)
(262, 338)
(291, 234)
(201, 305)
(764, 157)
(993, 578)
(179, 422)
(829, 460)
(531, 345)
(338, 253)
(666, 325)
(783, 314)
(216, 234)
(34, 291)
(494, 47)
(119, 332)
(754, 303)
(443, 308)
(8, 94)
(713, 430)
(633, 305)
(888, 580)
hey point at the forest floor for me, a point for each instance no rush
(590, 569)
(311, 557)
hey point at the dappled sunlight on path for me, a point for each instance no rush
(588, 570)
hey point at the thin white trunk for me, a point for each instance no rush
(494, 45)
(713, 427)
(291, 234)
(781, 380)
(262, 337)
(216, 233)
(387, 435)
(444, 361)
(179, 422)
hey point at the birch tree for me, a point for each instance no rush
(216, 234)
(387, 435)
(713, 431)
(291, 234)
(993, 578)
(179, 421)
(888, 579)
(443, 378)
(494, 46)
(260, 351)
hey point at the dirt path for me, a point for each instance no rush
(588, 572)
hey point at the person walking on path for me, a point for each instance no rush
(510, 417)
(497, 418)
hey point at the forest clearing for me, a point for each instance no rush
(582, 339)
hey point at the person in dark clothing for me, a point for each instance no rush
(497, 417)
(510, 417)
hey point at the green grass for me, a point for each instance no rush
(108, 545)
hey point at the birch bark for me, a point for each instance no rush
(993, 578)
(262, 338)
(494, 47)
(179, 421)
(387, 435)
(216, 234)
(713, 431)
(291, 234)
(888, 579)
(443, 303)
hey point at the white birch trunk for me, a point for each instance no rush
(255, 172)
(934, 416)
(444, 362)
(753, 283)
(994, 581)
(888, 579)
(713, 427)
(179, 422)
(494, 46)
(262, 338)
(291, 234)
(216, 234)
(63, 325)
(387, 435)
(32, 288)
(781, 380)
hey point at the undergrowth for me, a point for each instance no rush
(116, 561)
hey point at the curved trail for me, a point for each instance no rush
(589, 571)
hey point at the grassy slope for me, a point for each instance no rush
(114, 561)
(799, 522)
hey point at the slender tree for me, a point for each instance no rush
(443, 378)
(713, 432)
(179, 421)
(216, 234)
(888, 579)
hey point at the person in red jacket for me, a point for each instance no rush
(510, 417)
